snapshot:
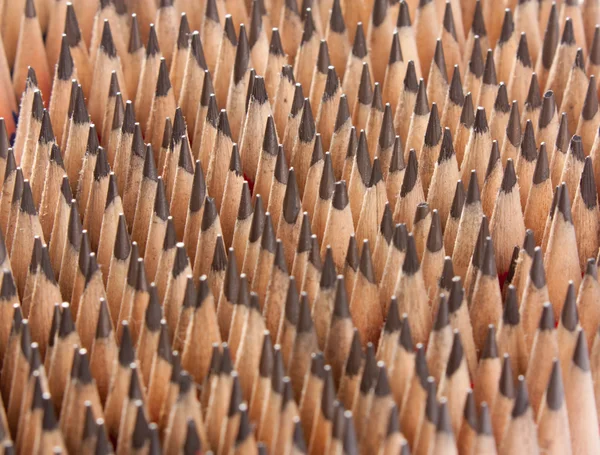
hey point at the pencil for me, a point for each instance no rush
(234, 226)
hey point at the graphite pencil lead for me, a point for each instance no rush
(590, 104)
(510, 178)
(152, 47)
(569, 316)
(467, 116)
(536, 273)
(365, 89)
(421, 103)
(135, 40)
(359, 47)
(551, 37)
(521, 399)
(568, 36)
(106, 42)
(456, 94)
(508, 27)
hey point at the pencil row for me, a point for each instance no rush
(339, 281)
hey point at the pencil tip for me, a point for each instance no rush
(444, 422)
(564, 204)
(547, 317)
(352, 256)
(176, 359)
(370, 371)
(163, 83)
(555, 391)
(235, 162)
(197, 51)
(521, 400)
(291, 199)
(126, 353)
(470, 410)
(229, 28)
(467, 117)
(107, 44)
(542, 167)
(523, 51)
(569, 316)
(528, 145)
(340, 196)
(534, 100)
(411, 174)
(163, 350)
(122, 247)
(455, 92)
(590, 103)
(305, 322)
(587, 185)
(359, 47)
(80, 112)
(441, 318)
(332, 85)
(256, 24)
(67, 325)
(232, 280)
(27, 204)
(509, 180)
(153, 313)
(445, 281)
(395, 51)
(456, 355)
(211, 11)
(421, 103)
(141, 431)
(192, 444)
(439, 60)
(29, 9)
(128, 125)
(309, 26)
(382, 387)
(366, 265)
(72, 26)
(490, 348)
(508, 27)
(480, 124)
(152, 48)
(473, 194)
(267, 241)
(209, 215)
(365, 89)
(494, 160)
(278, 370)
(411, 83)
(242, 56)
(376, 174)
(536, 273)
(411, 265)
(458, 201)
(46, 133)
(84, 374)
(511, 315)
(65, 65)
(135, 40)
(595, 47)
(433, 133)
(568, 36)
(476, 65)
(275, 47)
(104, 326)
(580, 356)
